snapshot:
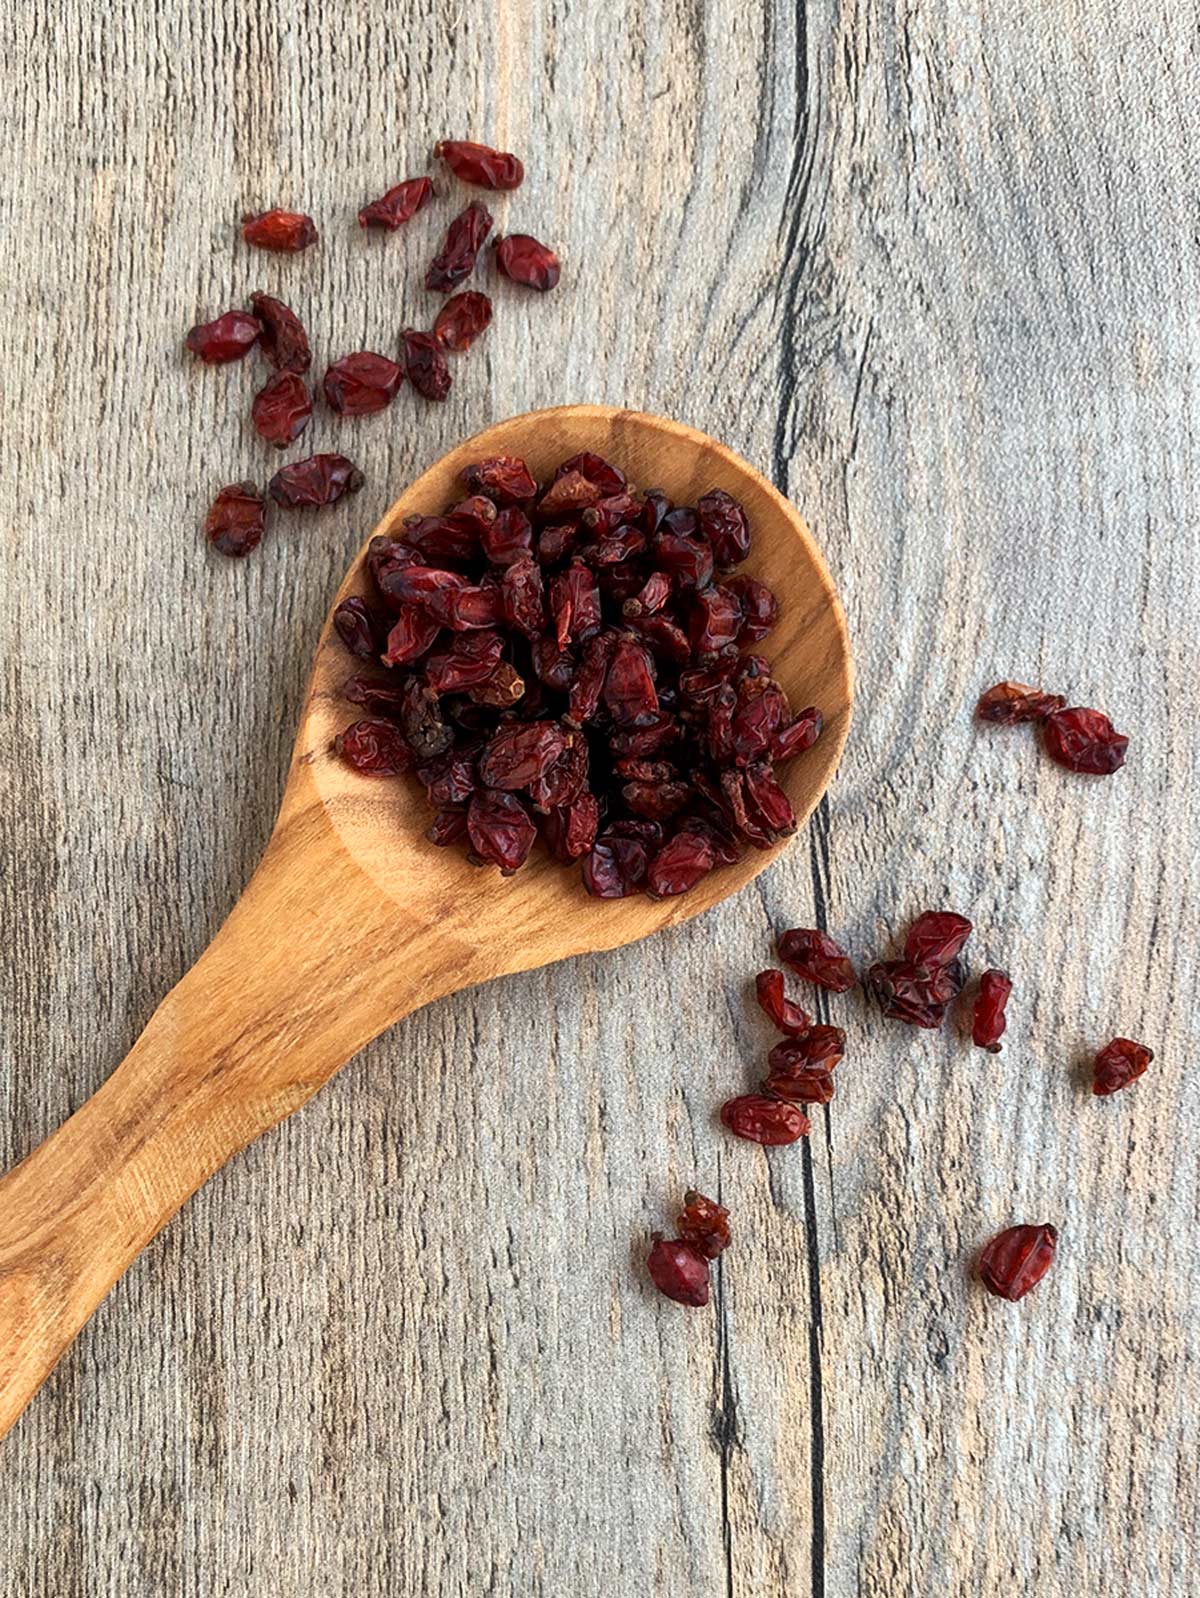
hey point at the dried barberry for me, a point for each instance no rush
(461, 320)
(759, 1119)
(358, 628)
(1084, 740)
(783, 1012)
(936, 938)
(361, 384)
(480, 164)
(317, 480)
(524, 259)
(424, 364)
(679, 1271)
(226, 339)
(455, 261)
(915, 994)
(283, 231)
(397, 206)
(704, 1224)
(281, 409)
(801, 1069)
(1015, 701)
(1016, 1259)
(500, 830)
(284, 341)
(1118, 1064)
(234, 524)
(817, 957)
(987, 1019)
(375, 748)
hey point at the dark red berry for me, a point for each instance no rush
(317, 480)
(235, 522)
(724, 523)
(397, 206)
(500, 830)
(1118, 1064)
(480, 164)
(797, 735)
(461, 320)
(523, 259)
(375, 748)
(284, 341)
(281, 409)
(358, 628)
(988, 1020)
(285, 231)
(1016, 1260)
(936, 938)
(227, 339)
(786, 1015)
(704, 1224)
(680, 864)
(817, 957)
(424, 364)
(1084, 740)
(915, 994)
(361, 384)
(801, 1069)
(759, 1119)
(1016, 701)
(679, 1271)
(503, 478)
(455, 261)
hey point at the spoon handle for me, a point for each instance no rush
(287, 991)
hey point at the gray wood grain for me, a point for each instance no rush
(934, 267)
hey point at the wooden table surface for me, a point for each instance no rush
(934, 269)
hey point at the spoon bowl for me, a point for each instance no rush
(542, 913)
(354, 919)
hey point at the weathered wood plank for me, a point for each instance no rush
(932, 268)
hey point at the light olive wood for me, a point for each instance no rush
(354, 919)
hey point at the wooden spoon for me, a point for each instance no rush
(353, 919)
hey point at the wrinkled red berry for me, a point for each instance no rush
(679, 1271)
(1084, 740)
(759, 1119)
(797, 735)
(817, 957)
(286, 231)
(281, 409)
(357, 627)
(1016, 1260)
(503, 478)
(227, 339)
(988, 1020)
(1015, 701)
(461, 320)
(234, 524)
(784, 1012)
(724, 523)
(500, 830)
(759, 607)
(424, 364)
(704, 1224)
(375, 748)
(284, 341)
(1118, 1064)
(456, 258)
(317, 480)
(397, 206)
(679, 865)
(523, 259)
(936, 938)
(361, 384)
(480, 164)
(915, 994)
(801, 1069)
